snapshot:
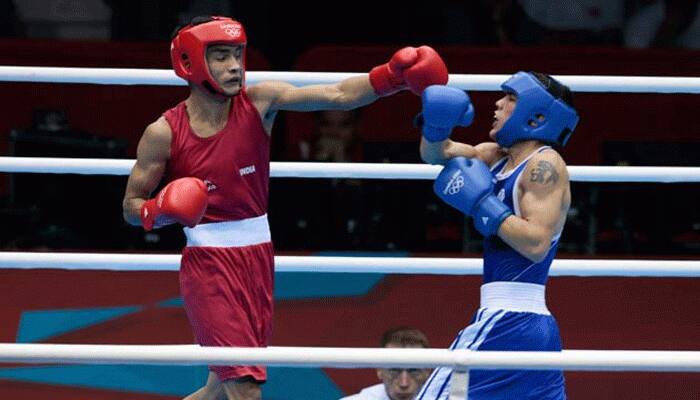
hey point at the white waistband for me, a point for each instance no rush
(514, 296)
(244, 232)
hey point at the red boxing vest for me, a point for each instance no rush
(234, 163)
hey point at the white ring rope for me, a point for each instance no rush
(485, 82)
(100, 166)
(343, 357)
(383, 265)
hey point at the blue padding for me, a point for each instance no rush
(309, 285)
(174, 302)
(283, 383)
(35, 326)
(306, 285)
(153, 379)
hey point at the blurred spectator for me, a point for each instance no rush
(634, 23)
(147, 20)
(336, 138)
(10, 25)
(49, 220)
(664, 23)
(195, 8)
(334, 215)
(553, 22)
(625, 226)
(64, 19)
(397, 383)
(354, 214)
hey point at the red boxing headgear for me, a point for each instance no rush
(188, 49)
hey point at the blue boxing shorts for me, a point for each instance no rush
(505, 327)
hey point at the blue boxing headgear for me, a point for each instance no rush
(538, 115)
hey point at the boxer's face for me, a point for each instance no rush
(225, 64)
(504, 109)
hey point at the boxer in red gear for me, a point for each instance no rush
(220, 136)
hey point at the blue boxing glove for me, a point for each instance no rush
(443, 109)
(466, 184)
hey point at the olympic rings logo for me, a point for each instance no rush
(455, 184)
(233, 30)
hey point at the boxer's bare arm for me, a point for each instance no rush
(151, 158)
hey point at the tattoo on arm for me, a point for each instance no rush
(544, 173)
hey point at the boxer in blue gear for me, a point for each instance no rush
(516, 189)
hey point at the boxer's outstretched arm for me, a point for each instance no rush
(409, 68)
(282, 96)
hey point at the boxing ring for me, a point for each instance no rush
(461, 360)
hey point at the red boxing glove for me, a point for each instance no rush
(183, 200)
(410, 67)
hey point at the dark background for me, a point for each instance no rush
(473, 37)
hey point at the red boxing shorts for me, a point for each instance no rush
(226, 281)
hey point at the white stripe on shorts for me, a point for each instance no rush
(437, 387)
